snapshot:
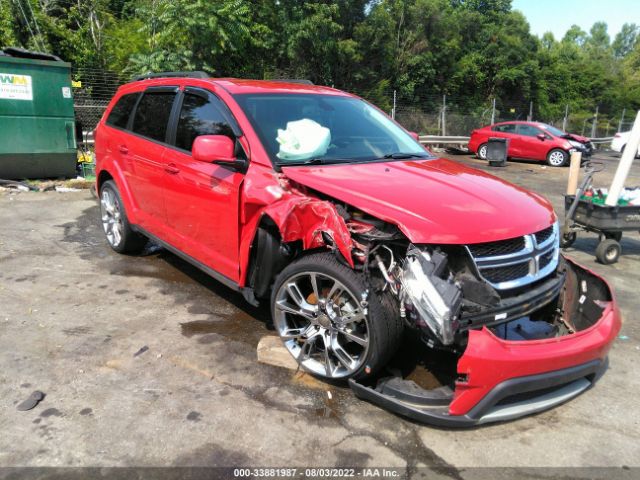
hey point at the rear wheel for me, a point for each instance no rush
(482, 151)
(608, 251)
(330, 321)
(557, 158)
(121, 237)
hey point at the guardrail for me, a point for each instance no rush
(435, 139)
(601, 140)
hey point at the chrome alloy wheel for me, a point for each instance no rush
(482, 152)
(111, 217)
(556, 159)
(322, 324)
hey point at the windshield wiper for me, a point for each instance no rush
(400, 155)
(316, 161)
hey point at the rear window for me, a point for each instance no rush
(119, 116)
(152, 115)
(508, 128)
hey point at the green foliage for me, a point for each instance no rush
(470, 50)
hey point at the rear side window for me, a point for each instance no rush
(200, 115)
(508, 128)
(152, 115)
(119, 115)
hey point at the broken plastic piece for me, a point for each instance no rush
(31, 401)
(141, 351)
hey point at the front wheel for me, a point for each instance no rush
(557, 158)
(330, 321)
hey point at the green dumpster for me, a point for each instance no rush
(37, 132)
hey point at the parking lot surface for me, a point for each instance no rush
(145, 361)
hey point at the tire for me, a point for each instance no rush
(617, 236)
(313, 327)
(557, 158)
(567, 239)
(115, 224)
(482, 151)
(608, 251)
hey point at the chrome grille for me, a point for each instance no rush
(517, 261)
(491, 249)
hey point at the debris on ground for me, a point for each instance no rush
(141, 351)
(272, 352)
(31, 401)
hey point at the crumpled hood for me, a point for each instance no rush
(432, 201)
(577, 138)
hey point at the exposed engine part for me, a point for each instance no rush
(477, 293)
(432, 291)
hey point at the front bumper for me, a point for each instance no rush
(501, 380)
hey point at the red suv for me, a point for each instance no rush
(316, 202)
(531, 141)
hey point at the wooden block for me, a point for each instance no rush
(272, 352)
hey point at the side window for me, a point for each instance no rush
(528, 130)
(508, 128)
(152, 115)
(200, 116)
(119, 115)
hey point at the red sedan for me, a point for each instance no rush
(531, 141)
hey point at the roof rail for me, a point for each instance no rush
(192, 74)
(303, 81)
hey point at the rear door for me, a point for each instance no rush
(202, 199)
(144, 151)
(528, 143)
(508, 131)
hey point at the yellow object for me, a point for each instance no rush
(77, 84)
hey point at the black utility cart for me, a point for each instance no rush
(607, 221)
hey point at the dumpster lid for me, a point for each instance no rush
(17, 52)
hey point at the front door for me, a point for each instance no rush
(529, 145)
(202, 199)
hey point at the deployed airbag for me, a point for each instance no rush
(303, 139)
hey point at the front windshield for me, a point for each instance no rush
(556, 132)
(311, 128)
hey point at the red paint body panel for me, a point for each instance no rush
(489, 360)
(212, 214)
(521, 146)
(433, 201)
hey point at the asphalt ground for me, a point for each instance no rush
(75, 319)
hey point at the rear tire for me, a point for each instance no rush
(120, 236)
(557, 158)
(608, 251)
(482, 151)
(329, 323)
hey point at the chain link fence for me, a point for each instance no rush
(434, 114)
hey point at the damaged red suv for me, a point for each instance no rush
(314, 201)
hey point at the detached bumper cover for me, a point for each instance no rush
(504, 380)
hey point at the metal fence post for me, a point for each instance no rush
(393, 111)
(493, 111)
(444, 116)
(594, 126)
(530, 116)
(566, 118)
(624, 110)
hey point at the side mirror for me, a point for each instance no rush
(415, 136)
(218, 149)
(541, 136)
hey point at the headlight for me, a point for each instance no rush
(579, 145)
(436, 300)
